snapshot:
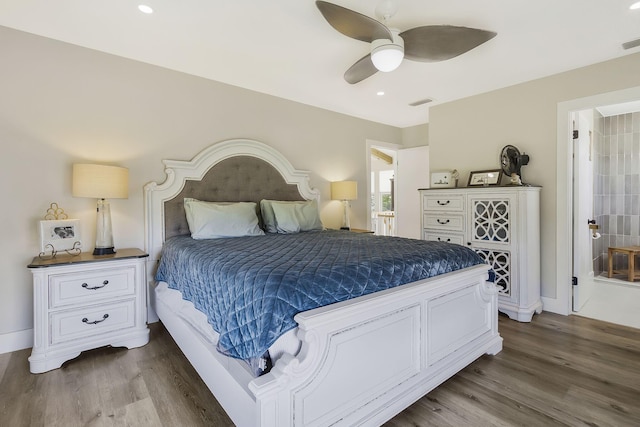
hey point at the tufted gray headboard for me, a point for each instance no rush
(236, 170)
(235, 179)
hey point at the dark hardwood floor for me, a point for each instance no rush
(555, 370)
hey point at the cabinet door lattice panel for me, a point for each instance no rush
(500, 261)
(491, 220)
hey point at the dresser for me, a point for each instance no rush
(501, 224)
(84, 302)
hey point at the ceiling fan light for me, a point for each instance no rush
(386, 55)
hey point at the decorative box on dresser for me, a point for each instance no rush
(84, 302)
(502, 224)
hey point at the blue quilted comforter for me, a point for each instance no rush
(250, 288)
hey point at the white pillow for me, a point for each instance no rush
(269, 218)
(293, 217)
(211, 220)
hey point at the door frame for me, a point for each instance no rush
(584, 152)
(564, 192)
(371, 143)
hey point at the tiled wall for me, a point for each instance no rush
(616, 142)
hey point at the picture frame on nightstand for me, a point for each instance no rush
(59, 235)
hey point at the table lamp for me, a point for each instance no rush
(345, 191)
(101, 182)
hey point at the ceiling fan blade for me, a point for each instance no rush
(441, 42)
(361, 70)
(353, 24)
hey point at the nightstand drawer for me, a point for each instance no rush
(444, 221)
(443, 202)
(90, 286)
(89, 321)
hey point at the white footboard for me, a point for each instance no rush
(363, 361)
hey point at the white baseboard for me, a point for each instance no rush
(15, 341)
(554, 305)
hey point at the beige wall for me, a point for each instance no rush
(63, 104)
(415, 136)
(468, 135)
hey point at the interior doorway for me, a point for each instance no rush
(383, 168)
(395, 175)
(606, 210)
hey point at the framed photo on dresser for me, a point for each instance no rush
(484, 178)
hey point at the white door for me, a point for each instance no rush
(412, 173)
(582, 211)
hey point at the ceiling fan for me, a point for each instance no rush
(389, 46)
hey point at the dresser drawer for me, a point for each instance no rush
(90, 321)
(443, 202)
(443, 237)
(90, 286)
(444, 221)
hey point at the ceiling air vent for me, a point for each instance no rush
(421, 102)
(631, 44)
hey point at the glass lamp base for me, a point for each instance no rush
(104, 235)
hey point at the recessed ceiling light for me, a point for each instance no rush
(145, 9)
(380, 93)
(635, 6)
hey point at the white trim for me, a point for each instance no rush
(553, 305)
(14, 341)
(562, 302)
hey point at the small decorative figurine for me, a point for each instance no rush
(455, 175)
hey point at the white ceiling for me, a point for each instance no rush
(286, 48)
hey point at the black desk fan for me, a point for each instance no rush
(512, 161)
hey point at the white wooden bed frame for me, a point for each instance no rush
(362, 361)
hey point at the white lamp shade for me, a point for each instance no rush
(100, 181)
(344, 190)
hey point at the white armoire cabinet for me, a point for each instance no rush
(501, 224)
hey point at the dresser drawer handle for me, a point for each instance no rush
(105, 283)
(85, 320)
(442, 240)
(446, 221)
(446, 202)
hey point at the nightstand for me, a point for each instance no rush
(84, 302)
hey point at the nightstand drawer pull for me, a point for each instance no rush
(105, 283)
(445, 203)
(446, 221)
(443, 240)
(85, 320)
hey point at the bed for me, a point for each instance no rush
(354, 362)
